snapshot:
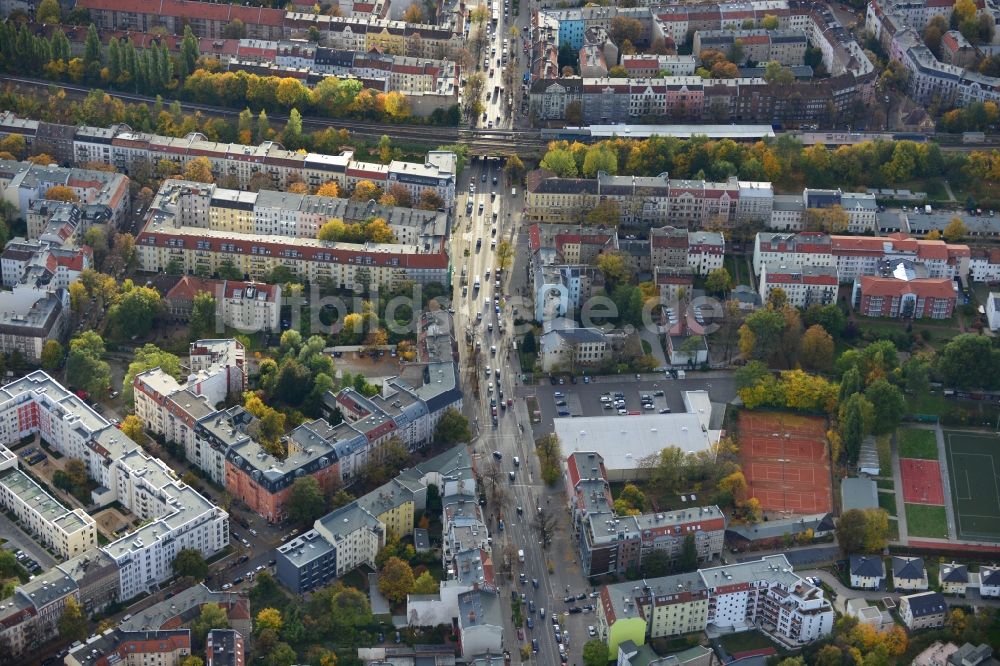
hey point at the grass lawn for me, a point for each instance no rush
(893, 530)
(915, 443)
(888, 502)
(926, 520)
(745, 641)
(883, 447)
(646, 347)
(888, 484)
(933, 403)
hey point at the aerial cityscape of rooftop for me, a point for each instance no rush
(499, 332)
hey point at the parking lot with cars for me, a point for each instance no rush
(624, 395)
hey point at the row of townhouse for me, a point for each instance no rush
(764, 593)
(856, 256)
(352, 535)
(200, 228)
(611, 544)
(220, 442)
(868, 572)
(899, 25)
(128, 151)
(648, 200)
(102, 197)
(174, 515)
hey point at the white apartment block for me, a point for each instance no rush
(765, 594)
(69, 532)
(984, 265)
(803, 285)
(706, 251)
(179, 517)
(769, 594)
(812, 248)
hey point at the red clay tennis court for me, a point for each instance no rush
(785, 462)
(921, 481)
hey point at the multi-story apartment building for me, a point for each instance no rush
(24, 183)
(127, 150)
(803, 285)
(612, 544)
(202, 228)
(414, 412)
(224, 647)
(42, 263)
(953, 578)
(701, 251)
(787, 47)
(206, 19)
(808, 247)
(246, 306)
(175, 515)
(681, 96)
(163, 647)
(898, 27)
(68, 532)
(363, 34)
(764, 593)
(856, 256)
(984, 264)
(32, 314)
(352, 535)
(401, 72)
(220, 443)
(30, 617)
(919, 298)
(648, 201)
(264, 482)
(649, 66)
(796, 213)
(567, 347)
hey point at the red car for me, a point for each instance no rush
(520, 634)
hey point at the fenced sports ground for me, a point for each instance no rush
(974, 476)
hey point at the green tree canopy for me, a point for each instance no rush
(452, 428)
(306, 502)
(190, 562)
(147, 357)
(84, 368)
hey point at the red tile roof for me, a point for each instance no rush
(889, 287)
(190, 9)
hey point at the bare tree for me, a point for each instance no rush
(547, 524)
